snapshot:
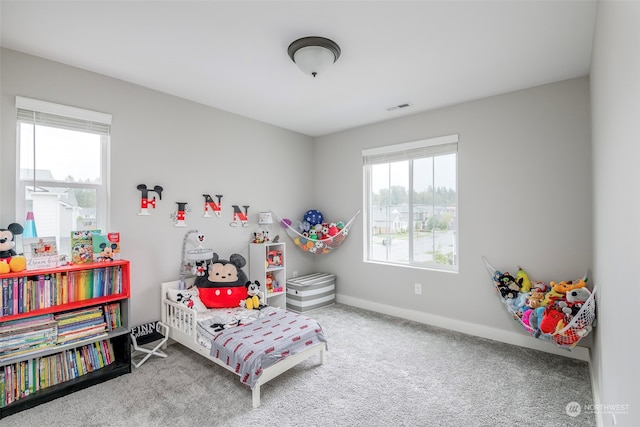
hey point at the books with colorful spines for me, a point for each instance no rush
(78, 315)
(20, 308)
(107, 351)
(95, 365)
(112, 315)
(82, 246)
(69, 361)
(83, 334)
(8, 302)
(99, 354)
(26, 339)
(4, 297)
(64, 283)
(15, 295)
(87, 320)
(33, 320)
(2, 391)
(80, 325)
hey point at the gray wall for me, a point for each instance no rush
(615, 88)
(187, 148)
(524, 181)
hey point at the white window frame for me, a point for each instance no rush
(414, 150)
(33, 111)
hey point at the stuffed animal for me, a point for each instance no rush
(526, 317)
(518, 303)
(523, 280)
(551, 296)
(534, 320)
(575, 300)
(550, 320)
(535, 299)
(255, 297)
(508, 286)
(9, 259)
(564, 287)
(224, 285)
(539, 286)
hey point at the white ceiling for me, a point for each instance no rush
(233, 54)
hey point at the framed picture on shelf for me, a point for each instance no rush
(40, 252)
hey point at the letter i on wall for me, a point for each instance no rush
(180, 215)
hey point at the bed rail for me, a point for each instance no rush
(179, 318)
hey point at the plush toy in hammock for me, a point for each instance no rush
(224, 285)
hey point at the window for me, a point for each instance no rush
(411, 203)
(63, 170)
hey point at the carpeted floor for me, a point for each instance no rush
(379, 371)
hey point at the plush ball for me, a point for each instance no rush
(18, 263)
(313, 217)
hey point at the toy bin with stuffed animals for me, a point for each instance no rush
(306, 293)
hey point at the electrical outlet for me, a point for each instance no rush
(418, 288)
(295, 273)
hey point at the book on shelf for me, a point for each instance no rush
(26, 335)
(40, 252)
(82, 246)
(26, 293)
(106, 246)
(112, 315)
(21, 379)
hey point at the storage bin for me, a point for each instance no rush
(310, 292)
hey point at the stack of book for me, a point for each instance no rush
(25, 335)
(81, 325)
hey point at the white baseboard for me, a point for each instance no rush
(521, 339)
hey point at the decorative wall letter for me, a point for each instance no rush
(211, 206)
(145, 202)
(239, 216)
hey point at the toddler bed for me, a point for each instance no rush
(256, 345)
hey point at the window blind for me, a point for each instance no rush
(411, 150)
(62, 116)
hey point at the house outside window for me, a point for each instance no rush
(411, 204)
(63, 168)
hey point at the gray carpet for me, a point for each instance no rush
(379, 371)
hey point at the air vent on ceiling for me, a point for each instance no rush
(399, 106)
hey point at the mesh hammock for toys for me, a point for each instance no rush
(576, 326)
(316, 246)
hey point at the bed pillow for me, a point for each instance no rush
(188, 297)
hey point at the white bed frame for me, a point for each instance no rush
(182, 329)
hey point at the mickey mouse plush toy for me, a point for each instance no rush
(224, 285)
(9, 259)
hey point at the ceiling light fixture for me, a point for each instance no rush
(313, 55)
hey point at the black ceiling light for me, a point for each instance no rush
(313, 55)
